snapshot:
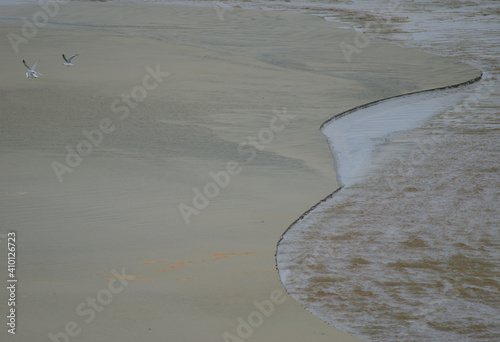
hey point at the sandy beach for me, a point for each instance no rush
(149, 184)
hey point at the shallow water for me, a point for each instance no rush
(409, 249)
(410, 252)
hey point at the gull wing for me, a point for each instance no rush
(34, 65)
(26, 65)
(64, 57)
(69, 59)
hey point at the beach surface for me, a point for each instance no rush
(149, 184)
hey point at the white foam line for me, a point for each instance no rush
(355, 136)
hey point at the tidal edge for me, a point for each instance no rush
(343, 114)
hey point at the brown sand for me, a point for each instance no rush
(118, 210)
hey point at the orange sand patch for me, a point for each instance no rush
(225, 255)
(126, 277)
(216, 256)
(173, 268)
(153, 262)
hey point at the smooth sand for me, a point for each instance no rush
(119, 208)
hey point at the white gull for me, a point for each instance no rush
(68, 60)
(31, 73)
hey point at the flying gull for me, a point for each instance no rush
(31, 71)
(68, 60)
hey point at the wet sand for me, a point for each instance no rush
(236, 119)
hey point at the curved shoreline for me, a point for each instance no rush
(336, 161)
(363, 106)
(373, 103)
